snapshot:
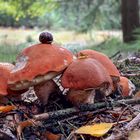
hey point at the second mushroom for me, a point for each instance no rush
(85, 78)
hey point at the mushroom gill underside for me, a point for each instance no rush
(20, 85)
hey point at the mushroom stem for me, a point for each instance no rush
(79, 97)
(45, 89)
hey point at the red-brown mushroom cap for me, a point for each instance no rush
(126, 86)
(84, 74)
(39, 60)
(5, 69)
(103, 59)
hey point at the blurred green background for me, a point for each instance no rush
(75, 24)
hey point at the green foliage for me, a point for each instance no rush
(113, 45)
(9, 52)
(24, 8)
(109, 15)
(85, 15)
(24, 12)
(79, 15)
(29, 39)
(49, 20)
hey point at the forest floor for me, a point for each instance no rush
(116, 118)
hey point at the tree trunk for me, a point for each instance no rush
(130, 19)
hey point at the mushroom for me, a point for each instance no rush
(104, 60)
(126, 87)
(38, 64)
(84, 77)
(5, 69)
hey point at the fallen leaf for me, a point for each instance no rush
(96, 130)
(24, 124)
(7, 108)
